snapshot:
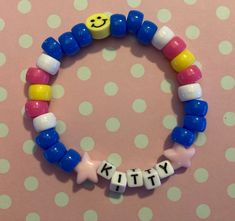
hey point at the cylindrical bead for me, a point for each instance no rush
(70, 160)
(37, 76)
(44, 122)
(189, 75)
(190, 92)
(52, 48)
(41, 92)
(118, 25)
(48, 64)
(134, 21)
(162, 37)
(183, 136)
(146, 32)
(47, 138)
(194, 123)
(174, 47)
(183, 60)
(196, 107)
(36, 108)
(69, 44)
(54, 153)
(82, 35)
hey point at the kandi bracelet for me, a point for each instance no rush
(100, 26)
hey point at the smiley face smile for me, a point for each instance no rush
(98, 26)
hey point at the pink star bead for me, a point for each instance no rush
(179, 155)
(86, 169)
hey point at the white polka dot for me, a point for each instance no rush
(225, 47)
(167, 86)
(134, 3)
(111, 88)
(139, 105)
(80, 5)
(192, 32)
(223, 12)
(3, 94)
(54, 21)
(2, 24)
(4, 166)
(85, 108)
(190, 2)
(141, 141)
(24, 6)
(164, 15)
(2, 59)
(4, 130)
(25, 41)
(169, 121)
(112, 124)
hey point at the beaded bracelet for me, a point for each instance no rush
(100, 26)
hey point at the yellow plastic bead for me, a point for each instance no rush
(183, 60)
(99, 25)
(41, 92)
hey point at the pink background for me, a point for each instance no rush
(31, 189)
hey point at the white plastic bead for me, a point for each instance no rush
(162, 37)
(134, 178)
(164, 169)
(48, 64)
(189, 92)
(151, 179)
(106, 170)
(44, 122)
(118, 182)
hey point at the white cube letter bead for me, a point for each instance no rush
(162, 37)
(151, 179)
(106, 170)
(48, 64)
(164, 169)
(44, 122)
(189, 92)
(118, 182)
(134, 178)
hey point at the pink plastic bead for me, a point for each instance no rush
(36, 108)
(189, 75)
(37, 76)
(173, 48)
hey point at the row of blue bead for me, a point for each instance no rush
(70, 43)
(55, 151)
(194, 121)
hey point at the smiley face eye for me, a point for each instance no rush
(92, 20)
(99, 17)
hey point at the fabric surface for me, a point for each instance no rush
(117, 100)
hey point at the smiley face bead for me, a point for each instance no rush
(99, 25)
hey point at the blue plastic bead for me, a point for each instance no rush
(196, 107)
(70, 160)
(69, 44)
(118, 25)
(134, 21)
(82, 35)
(47, 138)
(55, 152)
(146, 32)
(195, 123)
(183, 136)
(52, 48)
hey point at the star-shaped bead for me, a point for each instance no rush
(180, 156)
(86, 169)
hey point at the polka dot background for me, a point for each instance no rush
(126, 104)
